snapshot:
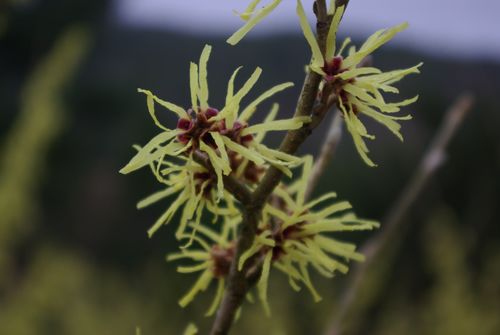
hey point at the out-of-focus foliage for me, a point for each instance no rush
(62, 293)
(460, 299)
(4, 12)
(25, 149)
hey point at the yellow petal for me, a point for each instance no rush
(197, 239)
(217, 298)
(358, 140)
(317, 56)
(218, 165)
(203, 92)
(222, 149)
(158, 196)
(344, 45)
(230, 85)
(326, 212)
(358, 71)
(261, 14)
(191, 329)
(230, 110)
(346, 250)
(304, 180)
(272, 155)
(251, 108)
(151, 109)
(308, 283)
(243, 151)
(263, 282)
(167, 216)
(152, 151)
(277, 125)
(193, 255)
(200, 285)
(168, 105)
(194, 85)
(254, 249)
(192, 268)
(270, 117)
(372, 43)
(332, 32)
(247, 14)
(319, 200)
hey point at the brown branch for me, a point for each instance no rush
(327, 151)
(238, 284)
(290, 144)
(339, 3)
(431, 161)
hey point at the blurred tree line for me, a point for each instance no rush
(74, 256)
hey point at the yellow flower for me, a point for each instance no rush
(293, 236)
(195, 186)
(212, 259)
(358, 90)
(220, 134)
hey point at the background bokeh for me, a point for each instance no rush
(74, 254)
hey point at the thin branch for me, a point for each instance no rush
(432, 160)
(327, 151)
(339, 3)
(322, 22)
(290, 144)
(238, 284)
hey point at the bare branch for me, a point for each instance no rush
(339, 3)
(307, 105)
(238, 284)
(432, 160)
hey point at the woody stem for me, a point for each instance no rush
(307, 105)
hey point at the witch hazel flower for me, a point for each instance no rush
(195, 187)
(294, 236)
(215, 132)
(224, 135)
(358, 89)
(211, 258)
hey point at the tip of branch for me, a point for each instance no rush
(339, 3)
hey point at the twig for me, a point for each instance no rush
(327, 151)
(291, 143)
(339, 3)
(238, 284)
(432, 160)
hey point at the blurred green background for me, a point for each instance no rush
(74, 254)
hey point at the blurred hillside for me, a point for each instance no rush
(83, 264)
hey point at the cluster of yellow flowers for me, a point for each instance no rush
(232, 145)
(293, 236)
(357, 88)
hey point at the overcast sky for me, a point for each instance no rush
(437, 26)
